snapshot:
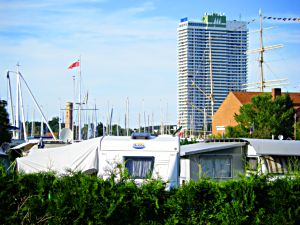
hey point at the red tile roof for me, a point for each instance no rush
(245, 97)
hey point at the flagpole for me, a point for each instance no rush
(79, 104)
(73, 113)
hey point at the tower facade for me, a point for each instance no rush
(69, 115)
(211, 62)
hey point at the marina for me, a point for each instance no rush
(149, 112)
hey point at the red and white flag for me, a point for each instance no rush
(75, 64)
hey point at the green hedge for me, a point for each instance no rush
(84, 199)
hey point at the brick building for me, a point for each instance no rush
(225, 114)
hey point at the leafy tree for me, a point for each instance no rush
(298, 130)
(264, 117)
(115, 127)
(235, 132)
(99, 129)
(54, 124)
(5, 135)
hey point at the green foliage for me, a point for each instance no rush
(186, 141)
(84, 199)
(235, 132)
(266, 117)
(194, 203)
(5, 135)
(54, 124)
(298, 130)
(114, 131)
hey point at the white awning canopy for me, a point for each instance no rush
(208, 147)
(274, 147)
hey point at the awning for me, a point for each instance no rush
(275, 147)
(203, 147)
(281, 164)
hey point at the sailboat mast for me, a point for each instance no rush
(79, 104)
(95, 120)
(59, 120)
(17, 120)
(19, 105)
(22, 111)
(10, 98)
(32, 124)
(42, 127)
(127, 117)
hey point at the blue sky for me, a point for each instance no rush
(128, 49)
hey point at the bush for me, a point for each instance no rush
(84, 199)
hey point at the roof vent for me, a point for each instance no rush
(141, 136)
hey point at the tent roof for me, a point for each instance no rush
(275, 147)
(203, 147)
(82, 156)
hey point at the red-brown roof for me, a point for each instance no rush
(245, 97)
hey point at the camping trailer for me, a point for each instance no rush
(143, 155)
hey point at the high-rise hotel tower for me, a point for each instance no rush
(212, 61)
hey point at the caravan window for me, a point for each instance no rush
(215, 167)
(139, 167)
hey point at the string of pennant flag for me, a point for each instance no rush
(282, 18)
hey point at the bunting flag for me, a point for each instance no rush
(243, 26)
(282, 18)
(75, 64)
(251, 21)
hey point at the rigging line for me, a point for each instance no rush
(281, 57)
(272, 72)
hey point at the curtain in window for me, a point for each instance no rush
(139, 167)
(207, 167)
(222, 168)
(215, 167)
(252, 163)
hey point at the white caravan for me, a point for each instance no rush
(143, 155)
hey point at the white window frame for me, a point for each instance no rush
(150, 158)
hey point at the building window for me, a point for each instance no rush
(216, 167)
(139, 167)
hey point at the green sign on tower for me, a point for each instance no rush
(214, 19)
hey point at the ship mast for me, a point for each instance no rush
(261, 60)
(263, 83)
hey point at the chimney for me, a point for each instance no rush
(69, 115)
(276, 92)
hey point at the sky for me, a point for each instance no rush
(128, 49)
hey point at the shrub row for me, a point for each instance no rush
(83, 199)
